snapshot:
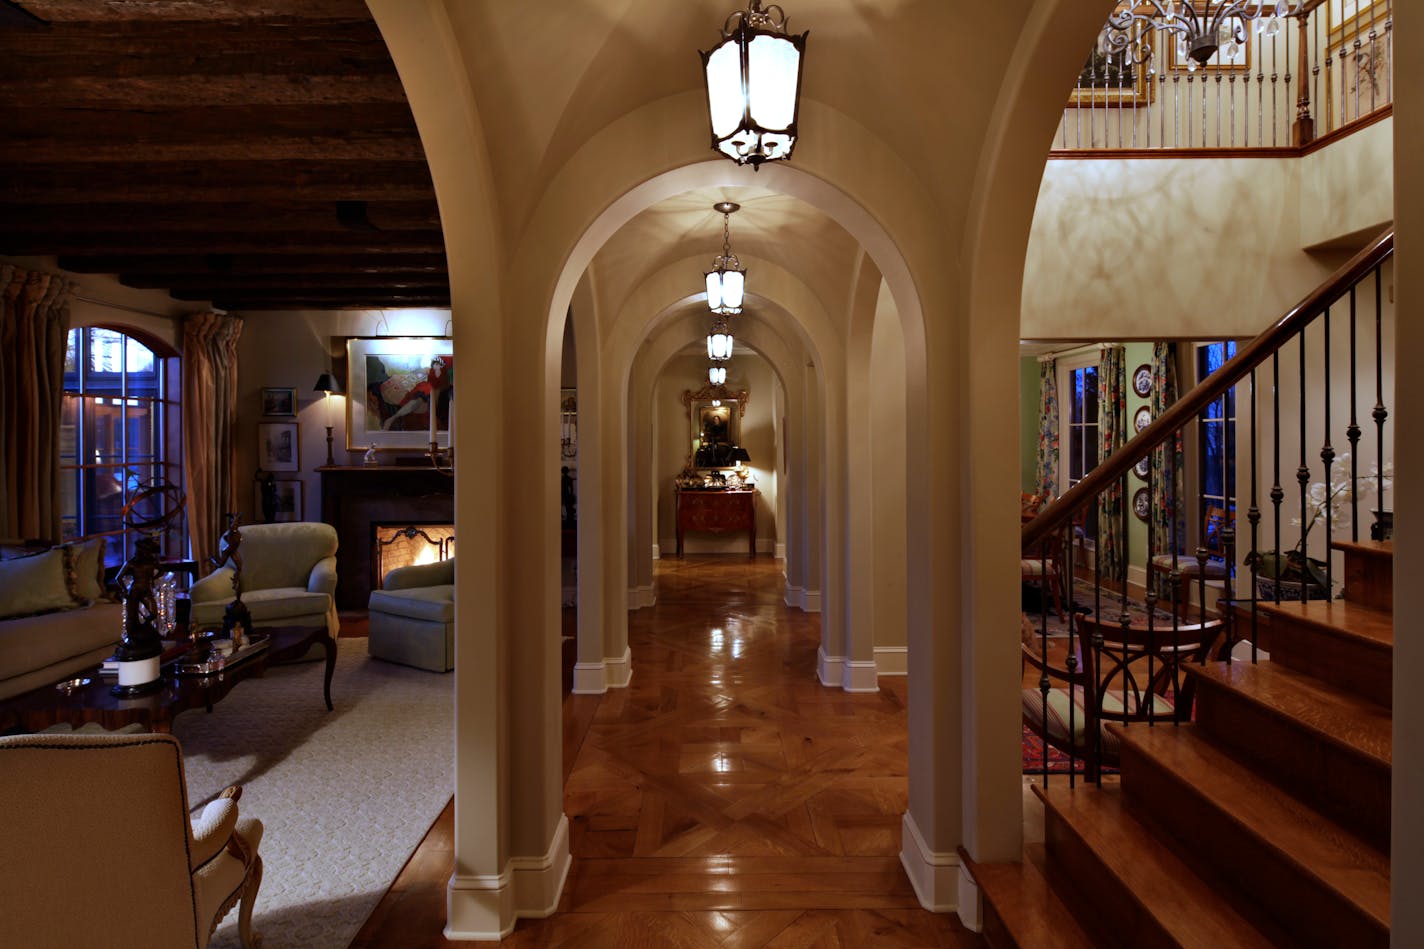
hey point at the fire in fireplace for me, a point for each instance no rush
(409, 544)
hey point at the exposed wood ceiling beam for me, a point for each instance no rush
(354, 300)
(110, 10)
(85, 243)
(217, 181)
(303, 216)
(136, 265)
(212, 285)
(162, 91)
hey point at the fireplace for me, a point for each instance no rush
(355, 499)
(407, 545)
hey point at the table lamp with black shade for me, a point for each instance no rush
(327, 385)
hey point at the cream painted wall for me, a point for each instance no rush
(758, 436)
(283, 348)
(886, 441)
(1348, 186)
(1091, 273)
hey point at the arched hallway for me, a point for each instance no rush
(724, 798)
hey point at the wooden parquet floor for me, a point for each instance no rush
(724, 799)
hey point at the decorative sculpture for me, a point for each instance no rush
(141, 642)
(237, 619)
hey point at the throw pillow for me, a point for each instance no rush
(88, 559)
(32, 585)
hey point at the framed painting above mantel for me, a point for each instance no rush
(393, 385)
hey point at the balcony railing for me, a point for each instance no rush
(1327, 68)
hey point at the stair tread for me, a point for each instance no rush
(1370, 626)
(1185, 905)
(1026, 902)
(1334, 714)
(1297, 832)
(1370, 548)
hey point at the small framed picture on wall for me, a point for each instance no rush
(279, 402)
(278, 446)
(278, 501)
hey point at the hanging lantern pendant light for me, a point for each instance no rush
(754, 86)
(717, 375)
(727, 280)
(719, 341)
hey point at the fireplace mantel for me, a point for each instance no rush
(356, 498)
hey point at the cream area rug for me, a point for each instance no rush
(345, 796)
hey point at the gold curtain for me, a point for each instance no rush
(34, 325)
(209, 425)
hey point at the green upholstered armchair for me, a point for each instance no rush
(100, 850)
(288, 578)
(413, 617)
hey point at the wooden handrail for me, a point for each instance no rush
(1179, 413)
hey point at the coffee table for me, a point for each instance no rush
(41, 708)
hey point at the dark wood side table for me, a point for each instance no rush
(40, 708)
(717, 512)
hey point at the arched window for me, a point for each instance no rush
(121, 431)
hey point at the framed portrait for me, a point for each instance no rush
(287, 503)
(1361, 81)
(278, 446)
(394, 386)
(1112, 80)
(714, 423)
(279, 401)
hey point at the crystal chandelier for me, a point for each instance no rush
(717, 375)
(727, 280)
(753, 86)
(1198, 35)
(719, 342)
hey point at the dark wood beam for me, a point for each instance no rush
(83, 243)
(359, 144)
(296, 215)
(171, 122)
(356, 300)
(215, 181)
(110, 10)
(166, 48)
(131, 265)
(104, 92)
(215, 285)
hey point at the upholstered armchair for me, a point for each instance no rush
(99, 849)
(413, 617)
(288, 578)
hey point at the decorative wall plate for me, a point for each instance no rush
(1142, 380)
(1141, 504)
(1141, 419)
(1141, 468)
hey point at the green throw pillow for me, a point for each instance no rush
(88, 563)
(33, 585)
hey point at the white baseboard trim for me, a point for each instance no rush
(971, 901)
(934, 876)
(858, 675)
(793, 597)
(829, 669)
(479, 906)
(779, 551)
(538, 882)
(657, 552)
(892, 660)
(620, 669)
(640, 597)
(485, 906)
(590, 678)
(811, 601)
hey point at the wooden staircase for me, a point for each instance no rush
(1265, 822)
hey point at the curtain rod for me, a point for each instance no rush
(127, 308)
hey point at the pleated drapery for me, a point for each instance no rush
(209, 425)
(1112, 435)
(1046, 469)
(1167, 457)
(34, 325)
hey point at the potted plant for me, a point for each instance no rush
(1293, 575)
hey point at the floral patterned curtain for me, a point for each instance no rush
(1046, 472)
(1112, 435)
(1166, 458)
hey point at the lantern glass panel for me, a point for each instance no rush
(733, 286)
(773, 69)
(714, 291)
(726, 97)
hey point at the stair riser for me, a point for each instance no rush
(1364, 669)
(1224, 850)
(1106, 909)
(1369, 580)
(1352, 790)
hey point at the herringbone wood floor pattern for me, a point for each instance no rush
(724, 799)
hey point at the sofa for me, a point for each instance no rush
(288, 578)
(54, 622)
(413, 617)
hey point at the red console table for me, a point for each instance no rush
(717, 512)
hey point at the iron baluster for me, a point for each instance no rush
(1071, 663)
(1327, 457)
(1302, 475)
(1278, 493)
(1043, 682)
(1149, 598)
(1124, 618)
(1352, 432)
(1253, 516)
(1380, 413)
(1091, 692)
